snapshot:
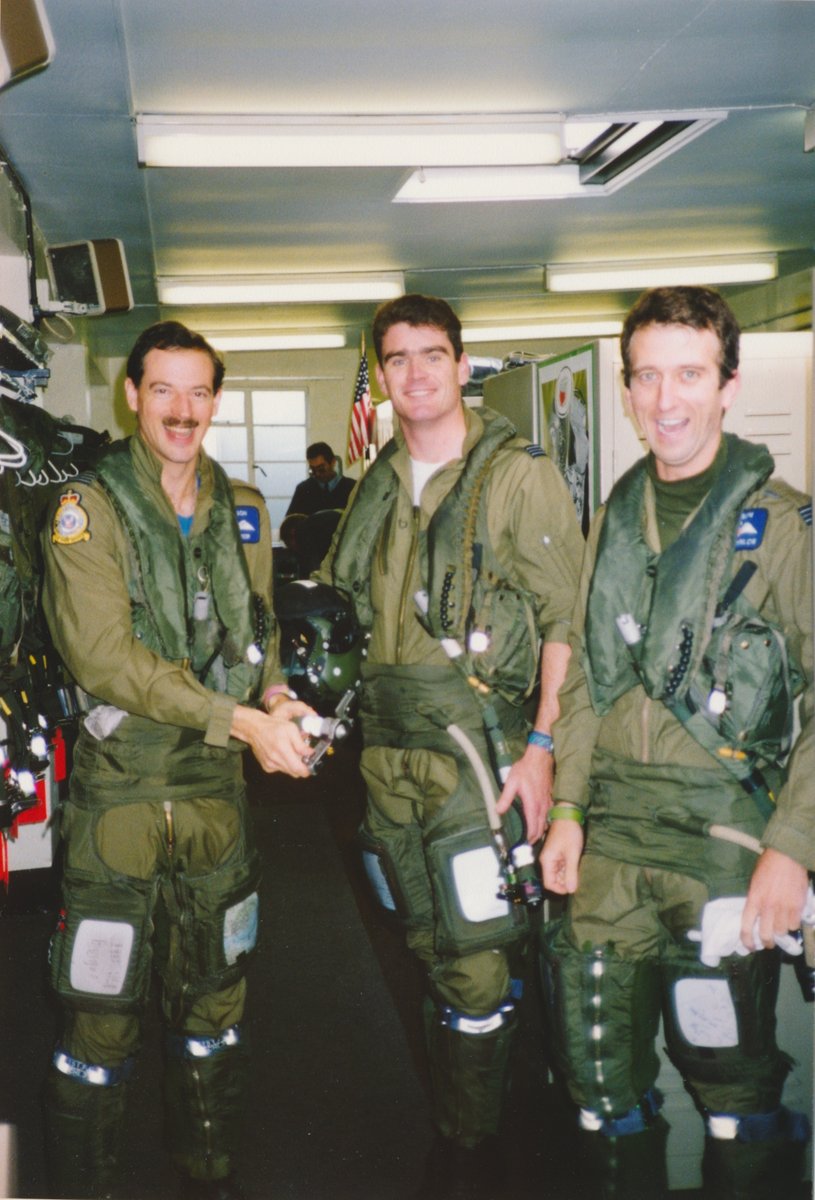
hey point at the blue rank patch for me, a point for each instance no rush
(805, 513)
(248, 522)
(750, 529)
(535, 451)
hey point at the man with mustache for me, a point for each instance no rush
(164, 619)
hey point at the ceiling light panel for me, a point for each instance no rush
(550, 329)
(276, 341)
(622, 276)
(450, 185)
(318, 141)
(279, 289)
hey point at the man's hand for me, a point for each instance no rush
(275, 738)
(530, 779)
(776, 899)
(560, 858)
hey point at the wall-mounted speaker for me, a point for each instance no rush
(26, 43)
(90, 278)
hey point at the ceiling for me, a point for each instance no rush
(745, 185)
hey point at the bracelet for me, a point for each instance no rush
(544, 740)
(568, 812)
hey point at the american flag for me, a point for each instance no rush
(362, 412)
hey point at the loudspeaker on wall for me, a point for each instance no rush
(26, 43)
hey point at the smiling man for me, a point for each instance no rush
(674, 749)
(164, 619)
(460, 540)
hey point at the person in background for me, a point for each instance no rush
(678, 778)
(460, 551)
(164, 619)
(326, 486)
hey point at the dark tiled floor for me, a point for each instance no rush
(338, 1106)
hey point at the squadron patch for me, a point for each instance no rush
(248, 522)
(70, 521)
(750, 529)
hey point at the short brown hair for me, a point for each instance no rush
(171, 335)
(415, 309)
(698, 307)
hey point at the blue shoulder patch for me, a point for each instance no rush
(248, 522)
(535, 451)
(805, 512)
(750, 529)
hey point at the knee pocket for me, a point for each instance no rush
(720, 1023)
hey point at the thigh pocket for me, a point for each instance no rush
(218, 914)
(465, 872)
(100, 954)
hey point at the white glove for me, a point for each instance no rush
(721, 928)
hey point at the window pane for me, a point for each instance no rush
(278, 479)
(232, 409)
(279, 407)
(277, 511)
(287, 442)
(226, 443)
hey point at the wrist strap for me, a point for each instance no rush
(567, 812)
(544, 740)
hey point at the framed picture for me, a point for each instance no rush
(568, 421)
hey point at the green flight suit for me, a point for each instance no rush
(418, 786)
(650, 791)
(158, 846)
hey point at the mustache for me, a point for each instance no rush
(177, 423)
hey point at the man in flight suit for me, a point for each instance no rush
(460, 540)
(164, 619)
(674, 748)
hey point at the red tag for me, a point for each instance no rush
(60, 756)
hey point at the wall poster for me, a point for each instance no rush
(568, 421)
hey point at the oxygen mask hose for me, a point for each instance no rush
(521, 884)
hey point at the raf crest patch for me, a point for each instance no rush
(750, 529)
(248, 522)
(70, 521)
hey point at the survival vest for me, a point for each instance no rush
(190, 597)
(465, 583)
(679, 625)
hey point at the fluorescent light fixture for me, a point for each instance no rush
(549, 329)
(451, 185)
(279, 289)
(277, 341)
(348, 141)
(622, 276)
